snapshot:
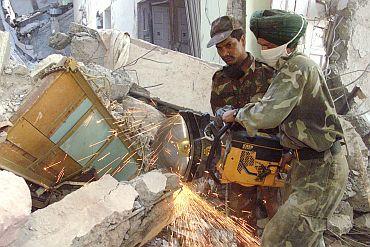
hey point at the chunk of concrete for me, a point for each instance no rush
(102, 213)
(15, 206)
(4, 50)
(363, 222)
(151, 187)
(50, 61)
(340, 224)
(59, 41)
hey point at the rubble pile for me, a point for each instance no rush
(15, 206)
(105, 213)
(354, 208)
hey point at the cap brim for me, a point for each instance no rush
(218, 38)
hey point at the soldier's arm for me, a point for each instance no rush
(281, 97)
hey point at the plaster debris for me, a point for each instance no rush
(15, 206)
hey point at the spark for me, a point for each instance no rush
(86, 157)
(60, 175)
(197, 223)
(104, 156)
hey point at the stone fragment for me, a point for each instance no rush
(340, 224)
(20, 69)
(363, 222)
(87, 49)
(4, 50)
(15, 206)
(50, 61)
(59, 41)
(151, 186)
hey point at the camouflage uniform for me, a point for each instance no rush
(227, 90)
(299, 102)
(238, 92)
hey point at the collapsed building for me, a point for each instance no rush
(115, 67)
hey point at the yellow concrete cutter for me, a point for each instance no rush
(191, 146)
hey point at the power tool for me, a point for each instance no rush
(191, 145)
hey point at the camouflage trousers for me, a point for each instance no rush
(317, 186)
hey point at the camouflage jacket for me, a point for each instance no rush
(299, 102)
(238, 92)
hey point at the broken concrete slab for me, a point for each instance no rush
(163, 70)
(87, 49)
(15, 206)
(4, 50)
(102, 213)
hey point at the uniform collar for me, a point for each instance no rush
(280, 63)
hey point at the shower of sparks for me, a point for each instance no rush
(198, 224)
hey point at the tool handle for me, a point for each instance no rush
(216, 141)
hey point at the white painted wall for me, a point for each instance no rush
(251, 42)
(210, 10)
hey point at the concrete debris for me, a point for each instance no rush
(357, 189)
(15, 84)
(15, 206)
(363, 222)
(59, 41)
(53, 60)
(87, 49)
(108, 84)
(104, 213)
(109, 48)
(340, 224)
(4, 49)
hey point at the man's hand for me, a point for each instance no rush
(229, 116)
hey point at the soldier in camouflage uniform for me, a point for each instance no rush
(299, 102)
(242, 81)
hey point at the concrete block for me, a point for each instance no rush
(15, 206)
(4, 50)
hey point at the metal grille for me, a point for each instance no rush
(246, 159)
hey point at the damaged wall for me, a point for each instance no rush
(350, 60)
(172, 76)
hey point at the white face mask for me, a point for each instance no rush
(271, 56)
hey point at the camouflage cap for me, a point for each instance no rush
(222, 28)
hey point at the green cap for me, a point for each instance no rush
(222, 28)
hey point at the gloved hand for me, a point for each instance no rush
(222, 110)
(218, 123)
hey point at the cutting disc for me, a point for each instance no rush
(171, 147)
